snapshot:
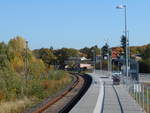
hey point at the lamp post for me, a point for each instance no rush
(110, 61)
(94, 60)
(125, 27)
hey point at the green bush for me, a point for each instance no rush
(35, 88)
(56, 75)
(14, 86)
(11, 84)
(34, 82)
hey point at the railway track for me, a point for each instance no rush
(64, 101)
(82, 91)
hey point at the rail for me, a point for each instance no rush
(51, 101)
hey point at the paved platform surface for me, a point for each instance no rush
(129, 105)
(116, 99)
(88, 101)
(111, 104)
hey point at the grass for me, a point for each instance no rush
(16, 94)
(16, 106)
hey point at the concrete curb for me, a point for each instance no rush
(99, 104)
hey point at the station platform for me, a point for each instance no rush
(104, 97)
(88, 102)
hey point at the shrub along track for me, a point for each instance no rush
(63, 101)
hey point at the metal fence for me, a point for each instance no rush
(144, 77)
(140, 91)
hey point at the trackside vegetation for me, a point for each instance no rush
(20, 89)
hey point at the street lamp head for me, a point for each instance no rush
(121, 6)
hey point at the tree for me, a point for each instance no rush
(144, 66)
(16, 53)
(64, 53)
(51, 48)
(105, 50)
(123, 44)
(36, 67)
(86, 52)
(18, 44)
(94, 49)
(46, 55)
(116, 52)
(4, 62)
(145, 62)
(146, 52)
(3, 48)
(89, 51)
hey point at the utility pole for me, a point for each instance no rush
(94, 60)
(110, 61)
(118, 67)
(127, 76)
(101, 60)
(129, 53)
(26, 61)
(126, 49)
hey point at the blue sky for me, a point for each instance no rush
(73, 23)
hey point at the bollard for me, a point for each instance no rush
(130, 89)
(133, 91)
(147, 100)
(136, 93)
(139, 93)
